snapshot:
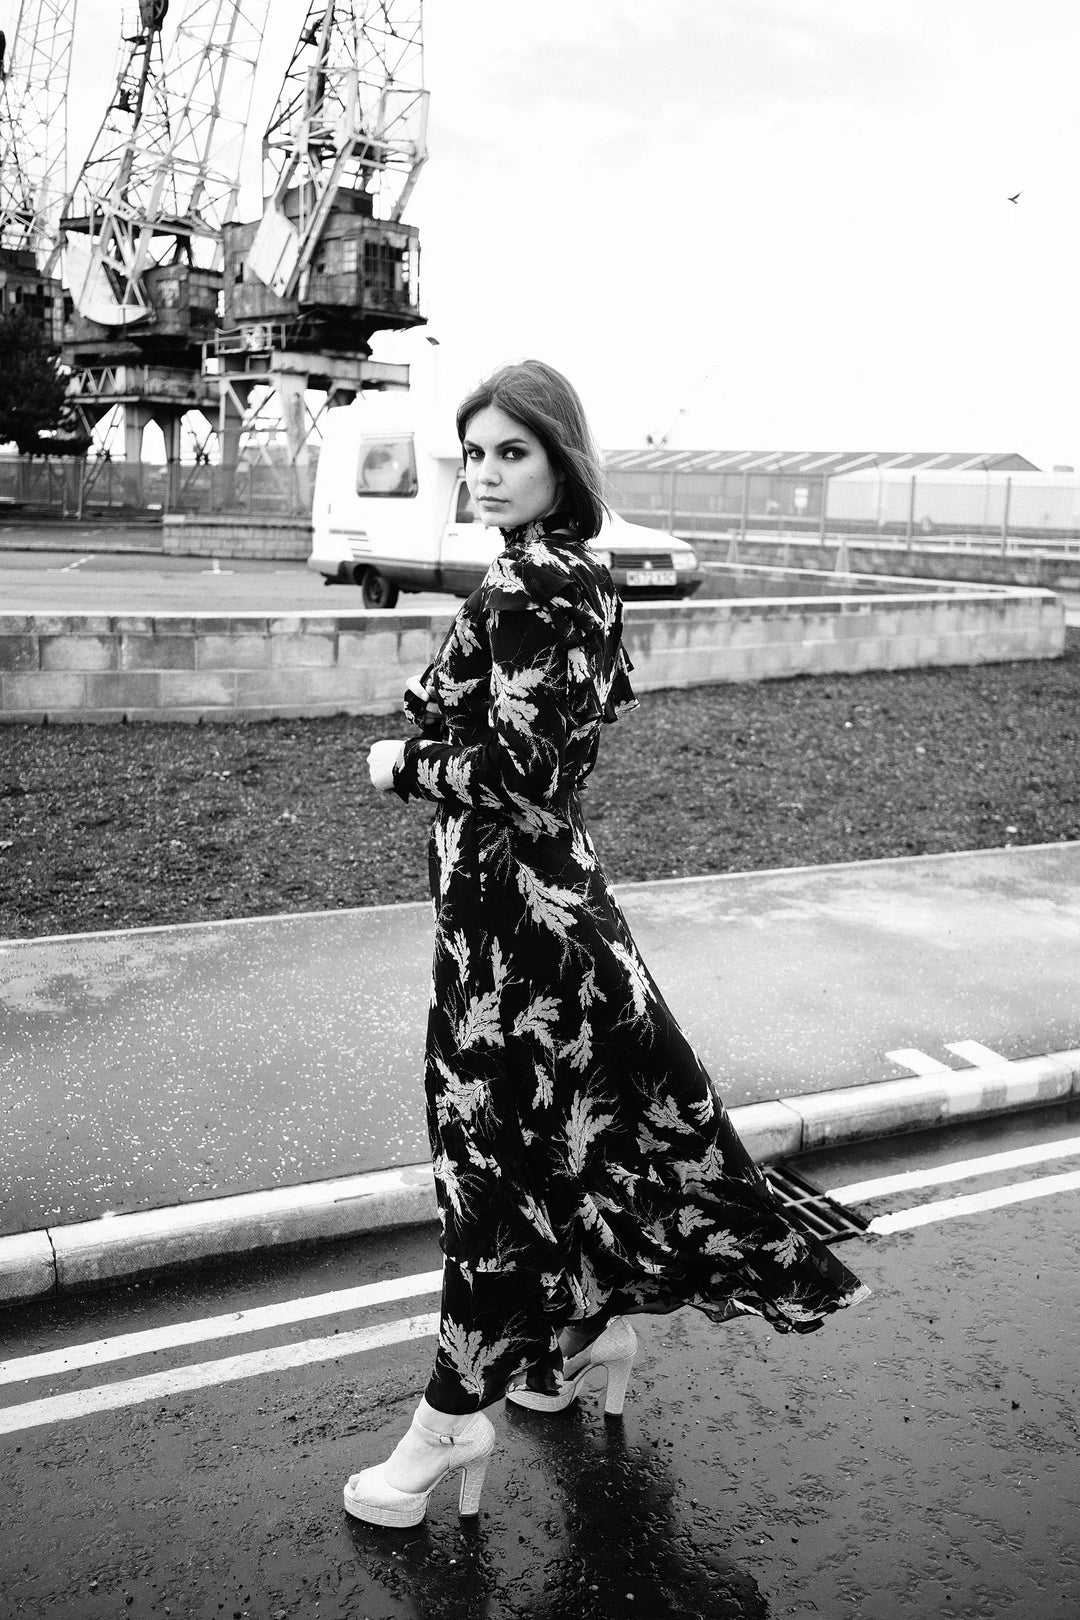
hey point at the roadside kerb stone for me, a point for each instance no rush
(66, 1258)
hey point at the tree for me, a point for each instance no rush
(32, 389)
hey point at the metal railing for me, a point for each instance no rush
(77, 487)
(971, 511)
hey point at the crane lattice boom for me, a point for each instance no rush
(161, 179)
(351, 118)
(33, 125)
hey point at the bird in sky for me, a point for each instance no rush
(1016, 198)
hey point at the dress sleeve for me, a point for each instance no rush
(521, 764)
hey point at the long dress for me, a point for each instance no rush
(584, 1162)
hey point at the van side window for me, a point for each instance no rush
(387, 467)
(464, 510)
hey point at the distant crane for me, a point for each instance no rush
(330, 261)
(143, 223)
(35, 65)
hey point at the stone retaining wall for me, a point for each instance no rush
(267, 538)
(174, 666)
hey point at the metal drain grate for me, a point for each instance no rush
(811, 1209)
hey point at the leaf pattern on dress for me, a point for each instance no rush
(787, 1249)
(578, 1052)
(537, 1019)
(458, 948)
(461, 1097)
(510, 697)
(469, 1354)
(637, 980)
(666, 1117)
(549, 906)
(459, 777)
(700, 1172)
(703, 1108)
(545, 1087)
(447, 834)
(480, 1023)
(588, 992)
(583, 1126)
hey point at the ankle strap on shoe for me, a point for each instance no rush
(433, 1434)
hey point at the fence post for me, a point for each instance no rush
(1005, 518)
(745, 503)
(911, 514)
(823, 526)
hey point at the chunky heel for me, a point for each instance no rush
(618, 1378)
(472, 1485)
(613, 1350)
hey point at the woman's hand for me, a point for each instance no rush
(418, 705)
(382, 758)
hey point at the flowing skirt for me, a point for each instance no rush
(584, 1162)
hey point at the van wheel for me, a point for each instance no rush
(376, 590)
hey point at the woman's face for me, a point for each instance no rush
(507, 470)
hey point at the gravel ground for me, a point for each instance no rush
(123, 826)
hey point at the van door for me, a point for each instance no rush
(468, 548)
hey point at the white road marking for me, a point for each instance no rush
(948, 1209)
(983, 1057)
(205, 1374)
(909, 1057)
(961, 1170)
(69, 568)
(50, 1363)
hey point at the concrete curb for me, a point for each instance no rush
(63, 1259)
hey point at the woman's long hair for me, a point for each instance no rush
(541, 399)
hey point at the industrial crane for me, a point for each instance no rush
(142, 226)
(330, 261)
(35, 65)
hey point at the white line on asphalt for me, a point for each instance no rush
(983, 1057)
(909, 1057)
(52, 1362)
(947, 1209)
(69, 568)
(179, 1380)
(961, 1170)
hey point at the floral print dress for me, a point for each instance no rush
(583, 1160)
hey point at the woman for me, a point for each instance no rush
(584, 1165)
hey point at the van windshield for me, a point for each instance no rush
(387, 467)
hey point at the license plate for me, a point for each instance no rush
(650, 576)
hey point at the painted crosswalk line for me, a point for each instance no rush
(858, 1192)
(205, 1374)
(945, 1209)
(50, 1363)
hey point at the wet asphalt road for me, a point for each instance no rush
(89, 581)
(916, 1458)
(87, 578)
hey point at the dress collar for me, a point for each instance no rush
(556, 527)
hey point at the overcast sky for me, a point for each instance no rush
(754, 223)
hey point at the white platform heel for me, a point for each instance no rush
(613, 1351)
(370, 1496)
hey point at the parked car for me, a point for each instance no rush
(391, 513)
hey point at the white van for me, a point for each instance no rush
(391, 513)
